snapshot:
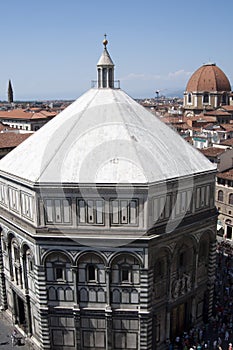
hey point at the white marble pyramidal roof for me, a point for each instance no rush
(104, 137)
(105, 59)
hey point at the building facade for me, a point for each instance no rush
(108, 227)
(25, 119)
(224, 203)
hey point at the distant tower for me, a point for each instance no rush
(10, 92)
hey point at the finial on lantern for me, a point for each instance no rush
(105, 41)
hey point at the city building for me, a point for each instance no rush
(222, 156)
(26, 119)
(10, 140)
(224, 203)
(108, 227)
(207, 89)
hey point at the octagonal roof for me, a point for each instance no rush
(104, 137)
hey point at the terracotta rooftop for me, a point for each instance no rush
(25, 115)
(172, 120)
(188, 139)
(228, 142)
(228, 108)
(228, 174)
(5, 128)
(202, 118)
(184, 126)
(210, 126)
(209, 77)
(227, 127)
(12, 139)
(218, 112)
(212, 151)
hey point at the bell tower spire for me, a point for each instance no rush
(105, 68)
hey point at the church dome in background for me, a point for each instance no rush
(208, 77)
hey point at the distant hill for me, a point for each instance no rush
(174, 93)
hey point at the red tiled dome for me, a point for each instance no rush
(209, 77)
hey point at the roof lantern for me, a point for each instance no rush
(105, 68)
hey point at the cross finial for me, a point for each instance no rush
(105, 41)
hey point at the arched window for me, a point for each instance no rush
(101, 295)
(224, 98)
(60, 294)
(99, 78)
(220, 195)
(83, 294)
(134, 296)
(16, 270)
(111, 85)
(58, 267)
(125, 273)
(116, 296)
(92, 295)
(16, 253)
(203, 251)
(91, 272)
(231, 198)
(125, 269)
(159, 269)
(189, 98)
(69, 294)
(52, 293)
(206, 98)
(104, 77)
(29, 262)
(125, 296)
(182, 260)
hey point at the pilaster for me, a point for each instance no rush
(108, 319)
(43, 311)
(145, 320)
(3, 297)
(211, 276)
(77, 324)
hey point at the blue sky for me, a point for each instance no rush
(49, 48)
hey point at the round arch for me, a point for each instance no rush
(24, 247)
(211, 235)
(10, 237)
(92, 253)
(184, 253)
(119, 255)
(186, 240)
(54, 252)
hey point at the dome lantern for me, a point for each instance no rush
(105, 68)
